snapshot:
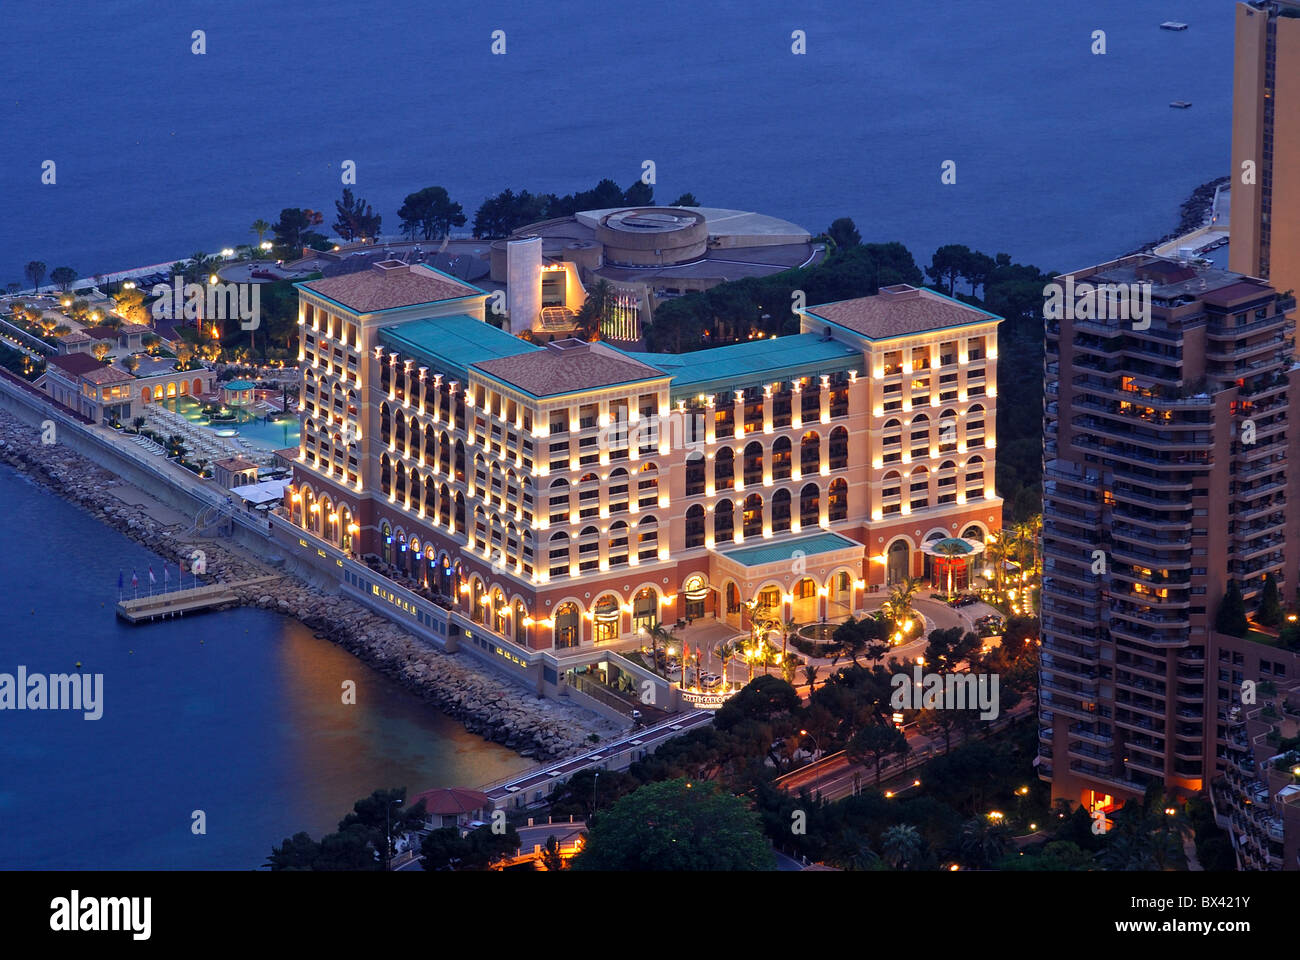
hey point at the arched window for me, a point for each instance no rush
(839, 449)
(695, 473)
(521, 629)
(899, 561)
(647, 539)
(695, 526)
(810, 453)
(645, 609)
(500, 612)
(837, 504)
(809, 506)
(751, 524)
(781, 458)
(477, 600)
(723, 522)
(559, 501)
(605, 618)
(618, 543)
(919, 488)
(753, 463)
(559, 555)
(781, 511)
(724, 469)
(567, 630)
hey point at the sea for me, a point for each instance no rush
(1055, 117)
(219, 734)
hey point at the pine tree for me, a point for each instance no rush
(1231, 618)
(1269, 611)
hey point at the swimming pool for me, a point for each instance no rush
(280, 432)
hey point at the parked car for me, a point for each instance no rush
(710, 680)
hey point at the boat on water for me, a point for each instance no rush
(1173, 25)
(1180, 104)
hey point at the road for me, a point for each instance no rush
(836, 777)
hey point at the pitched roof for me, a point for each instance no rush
(568, 366)
(898, 311)
(389, 284)
(450, 801)
(76, 364)
(107, 375)
(234, 464)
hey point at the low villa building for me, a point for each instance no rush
(87, 385)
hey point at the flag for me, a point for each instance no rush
(119, 579)
(152, 578)
(135, 581)
(166, 575)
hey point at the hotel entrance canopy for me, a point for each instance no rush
(785, 561)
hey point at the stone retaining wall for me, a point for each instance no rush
(488, 704)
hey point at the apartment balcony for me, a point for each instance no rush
(1151, 617)
(1142, 634)
(1190, 439)
(1054, 628)
(1153, 519)
(1146, 766)
(1154, 670)
(1077, 748)
(1104, 739)
(1220, 352)
(1085, 616)
(1167, 560)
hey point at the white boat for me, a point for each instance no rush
(1173, 25)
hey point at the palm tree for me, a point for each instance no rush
(810, 676)
(901, 844)
(984, 840)
(998, 549)
(260, 227)
(788, 629)
(899, 603)
(659, 635)
(725, 651)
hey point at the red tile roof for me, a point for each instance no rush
(567, 366)
(450, 801)
(390, 284)
(899, 311)
(76, 364)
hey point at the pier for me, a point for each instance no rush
(177, 603)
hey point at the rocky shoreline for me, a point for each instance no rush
(487, 704)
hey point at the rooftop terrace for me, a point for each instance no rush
(754, 361)
(453, 343)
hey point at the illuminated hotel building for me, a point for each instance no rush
(569, 495)
(1165, 479)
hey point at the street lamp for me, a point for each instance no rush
(816, 746)
(388, 830)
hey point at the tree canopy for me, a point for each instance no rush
(676, 825)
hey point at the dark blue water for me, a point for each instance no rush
(1063, 158)
(237, 714)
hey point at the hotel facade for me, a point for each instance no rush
(570, 495)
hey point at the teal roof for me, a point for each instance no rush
(238, 385)
(452, 343)
(752, 362)
(787, 550)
